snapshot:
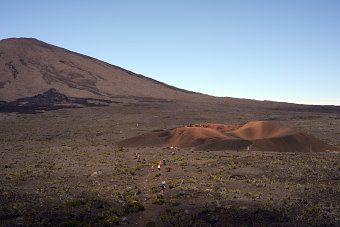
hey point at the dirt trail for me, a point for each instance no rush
(151, 212)
(147, 182)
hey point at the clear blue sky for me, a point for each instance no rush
(280, 50)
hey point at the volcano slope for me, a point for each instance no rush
(260, 135)
(29, 67)
(64, 167)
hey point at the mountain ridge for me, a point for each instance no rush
(49, 66)
(29, 67)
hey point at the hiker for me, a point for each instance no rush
(163, 161)
(160, 162)
(159, 167)
(163, 186)
(153, 168)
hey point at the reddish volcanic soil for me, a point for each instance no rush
(259, 135)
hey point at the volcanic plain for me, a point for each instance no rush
(65, 167)
(79, 137)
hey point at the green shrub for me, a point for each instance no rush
(120, 148)
(111, 220)
(150, 224)
(73, 224)
(157, 175)
(172, 184)
(133, 206)
(110, 213)
(154, 190)
(160, 200)
(173, 202)
(165, 218)
(238, 177)
(76, 203)
(183, 163)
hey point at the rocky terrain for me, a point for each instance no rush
(65, 167)
(63, 162)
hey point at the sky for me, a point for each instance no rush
(278, 50)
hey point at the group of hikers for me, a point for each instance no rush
(159, 169)
(153, 169)
(159, 165)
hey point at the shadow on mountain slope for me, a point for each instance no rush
(49, 100)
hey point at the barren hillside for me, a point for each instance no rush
(29, 67)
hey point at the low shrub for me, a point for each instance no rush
(133, 206)
(158, 201)
(111, 220)
(150, 224)
(157, 175)
(154, 190)
(73, 224)
(173, 202)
